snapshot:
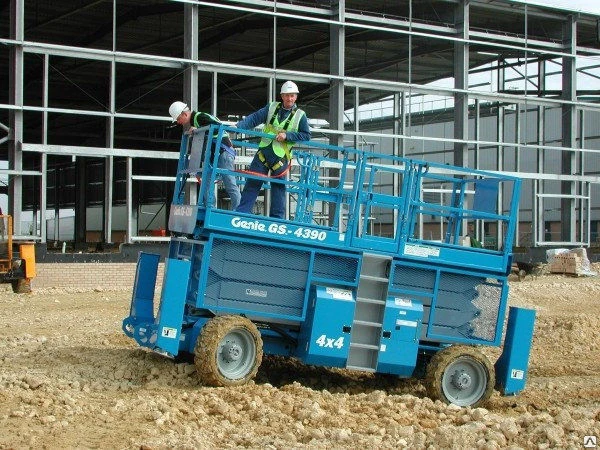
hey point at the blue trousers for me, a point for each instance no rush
(253, 187)
(226, 161)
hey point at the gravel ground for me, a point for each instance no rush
(71, 379)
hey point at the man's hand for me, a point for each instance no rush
(281, 136)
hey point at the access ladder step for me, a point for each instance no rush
(365, 346)
(361, 368)
(374, 278)
(374, 301)
(365, 323)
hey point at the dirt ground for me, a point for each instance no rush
(71, 379)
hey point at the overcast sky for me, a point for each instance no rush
(583, 5)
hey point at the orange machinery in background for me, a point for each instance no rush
(16, 267)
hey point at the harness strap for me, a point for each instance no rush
(263, 160)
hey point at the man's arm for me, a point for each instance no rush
(303, 133)
(254, 119)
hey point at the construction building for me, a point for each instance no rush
(89, 153)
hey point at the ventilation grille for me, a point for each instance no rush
(335, 267)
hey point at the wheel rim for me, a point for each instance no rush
(464, 381)
(236, 353)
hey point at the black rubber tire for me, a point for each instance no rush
(22, 286)
(210, 357)
(480, 372)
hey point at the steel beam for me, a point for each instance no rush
(70, 150)
(237, 69)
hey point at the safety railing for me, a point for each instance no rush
(371, 201)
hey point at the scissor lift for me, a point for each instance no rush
(347, 281)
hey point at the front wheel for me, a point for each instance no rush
(228, 351)
(460, 375)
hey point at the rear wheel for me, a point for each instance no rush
(460, 375)
(228, 351)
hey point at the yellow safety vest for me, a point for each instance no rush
(211, 118)
(272, 126)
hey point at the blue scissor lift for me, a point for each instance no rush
(348, 280)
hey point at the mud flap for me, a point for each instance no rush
(511, 367)
(170, 312)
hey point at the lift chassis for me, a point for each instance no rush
(348, 280)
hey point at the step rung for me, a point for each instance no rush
(365, 346)
(375, 301)
(374, 278)
(362, 369)
(365, 323)
(376, 256)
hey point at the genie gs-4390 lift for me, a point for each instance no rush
(337, 284)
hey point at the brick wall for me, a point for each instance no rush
(108, 276)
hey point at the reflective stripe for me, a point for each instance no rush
(211, 117)
(281, 149)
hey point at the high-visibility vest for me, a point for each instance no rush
(210, 117)
(273, 126)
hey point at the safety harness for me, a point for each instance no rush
(281, 149)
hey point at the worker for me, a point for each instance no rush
(288, 124)
(191, 120)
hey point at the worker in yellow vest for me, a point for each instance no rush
(288, 124)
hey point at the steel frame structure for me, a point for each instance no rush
(577, 178)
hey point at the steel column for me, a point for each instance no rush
(214, 99)
(110, 141)
(337, 43)
(44, 156)
(569, 122)
(584, 203)
(129, 199)
(15, 116)
(500, 153)
(537, 214)
(109, 163)
(517, 161)
(461, 81)
(336, 63)
(190, 52)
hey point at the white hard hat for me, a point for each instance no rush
(175, 109)
(289, 87)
